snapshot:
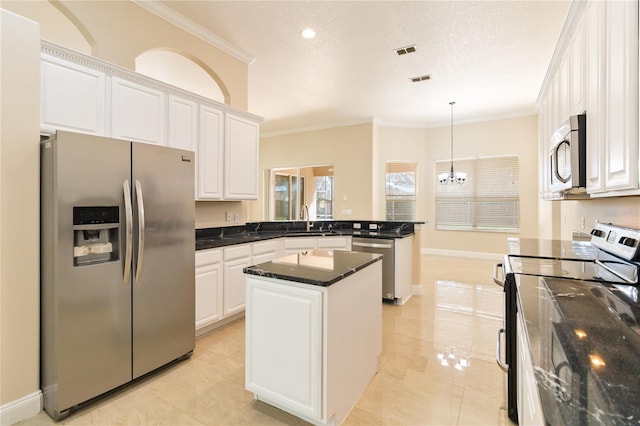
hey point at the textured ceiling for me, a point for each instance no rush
(490, 57)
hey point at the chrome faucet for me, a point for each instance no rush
(304, 215)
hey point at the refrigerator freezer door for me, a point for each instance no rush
(164, 278)
(85, 305)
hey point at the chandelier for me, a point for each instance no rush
(452, 177)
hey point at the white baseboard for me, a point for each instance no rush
(21, 409)
(462, 253)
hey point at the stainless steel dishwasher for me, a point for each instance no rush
(386, 248)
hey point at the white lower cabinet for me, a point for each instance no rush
(236, 258)
(286, 330)
(335, 242)
(293, 245)
(312, 350)
(529, 405)
(209, 283)
(265, 251)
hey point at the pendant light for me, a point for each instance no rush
(452, 177)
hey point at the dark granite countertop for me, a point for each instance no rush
(585, 346)
(260, 231)
(315, 267)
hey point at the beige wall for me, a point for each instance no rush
(19, 207)
(623, 211)
(113, 31)
(347, 148)
(511, 136)
(119, 31)
(360, 153)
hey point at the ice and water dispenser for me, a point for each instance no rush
(95, 234)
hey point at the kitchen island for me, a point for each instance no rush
(313, 331)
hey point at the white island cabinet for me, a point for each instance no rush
(313, 331)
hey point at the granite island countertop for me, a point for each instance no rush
(585, 346)
(316, 267)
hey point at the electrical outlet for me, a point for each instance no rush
(228, 216)
(236, 217)
(356, 226)
(583, 222)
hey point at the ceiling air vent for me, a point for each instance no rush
(404, 50)
(421, 78)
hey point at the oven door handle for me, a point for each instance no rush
(612, 270)
(495, 274)
(504, 367)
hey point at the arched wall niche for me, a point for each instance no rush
(57, 24)
(183, 71)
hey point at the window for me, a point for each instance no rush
(294, 187)
(400, 191)
(324, 197)
(286, 194)
(487, 201)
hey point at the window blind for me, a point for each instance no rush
(487, 201)
(400, 191)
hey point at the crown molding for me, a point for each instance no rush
(161, 10)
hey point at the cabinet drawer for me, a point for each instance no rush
(265, 247)
(332, 242)
(237, 252)
(206, 257)
(299, 243)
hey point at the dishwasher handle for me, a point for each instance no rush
(371, 245)
(502, 365)
(495, 274)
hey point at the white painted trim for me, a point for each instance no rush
(180, 21)
(462, 253)
(21, 409)
(318, 127)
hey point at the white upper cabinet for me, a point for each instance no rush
(183, 123)
(73, 97)
(577, 70)
(596, 70)
(621, 95)
(137, 112)
(82, 94)
(241, 158)
(595, 48)
(210, 154)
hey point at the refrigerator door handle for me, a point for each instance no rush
(140, 201)
(495, 274)
(126, 188)
(504, 367)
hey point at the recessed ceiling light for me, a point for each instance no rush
(308, 33)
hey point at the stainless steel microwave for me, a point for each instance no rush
(568, 156)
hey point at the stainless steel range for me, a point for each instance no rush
(572, 296)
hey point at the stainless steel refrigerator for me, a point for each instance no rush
(117, 264)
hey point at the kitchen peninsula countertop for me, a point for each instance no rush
(259, 231)
(585, 347)
(316, 267)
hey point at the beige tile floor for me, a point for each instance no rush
(437, 367)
